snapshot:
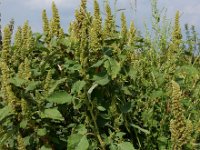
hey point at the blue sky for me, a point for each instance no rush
(30, 10)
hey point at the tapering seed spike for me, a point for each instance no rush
(30, 40)
(174, 47)
(48, 80)
(45, 22)
(18, 38)
(25, 34)
(20, 142)
(76, 26)
(180, 128)
(83, 6)
(109, 26)
(132, 34)
(96, 29)
(55, 26)
(6, 44)
(61, 33)
(27, 69)
(177, 29)
(124, 29)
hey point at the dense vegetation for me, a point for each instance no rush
(99, 86)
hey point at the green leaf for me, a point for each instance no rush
(187, 71)
(77, 142)
(32, 86)
(163, 139)
(99, 63)
(71, 65)
(56, 84)
(157, 94)
(44, 147)
(101, 80)
(132, 73)
(78, 86)
(120, 134)
(125, 108)
(125, 146)
(54, 42)
(126, 91)
(81, 129)
(23, 123)
(37, 36)
(83, 144)
(101, 108)
(65, 42)
(113, 146)
(52, 113)
(5, 112)
(113, 67)
(41, 132)
(17, 81)
(27, 140)
(60, 97)
(141, 129)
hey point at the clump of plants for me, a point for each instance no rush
(99, 86)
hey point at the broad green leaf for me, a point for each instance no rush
(54, 42)
(113, 67)
(99, 63)
(77, 142)
(52, 113)
(113, 146)
(163, 139)
(37, 35)
(36, 72)
(73, 140)
(126, 107)
(71, 65)
(188, 71)
(125, 146)
(65, 42)
(81, 129)
(157, 94)
(5, 112)
(60, 97)
(126, 91)
(56, 84)
(44, 147)
(163, 142)
(27, 140)
(41, 132)
(101, 80)
(83, 144)
(120, 134)
(23, 123)
(32, 85)
(17, 81)
(132, 73)
(78, 86)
